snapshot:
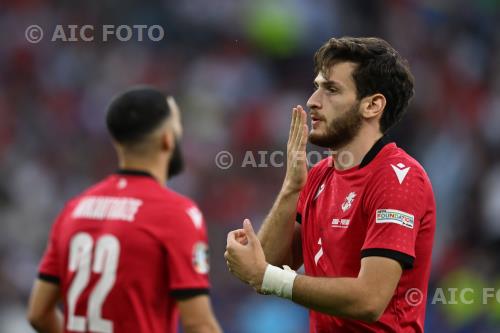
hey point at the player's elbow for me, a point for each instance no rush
(371, 315)
(371, 311)
(41, 318)
(202, 327)
(35, 318)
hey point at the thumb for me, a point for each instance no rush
(247, 226)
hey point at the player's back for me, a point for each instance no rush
(121, 251)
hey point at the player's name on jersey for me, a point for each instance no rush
(107, 208)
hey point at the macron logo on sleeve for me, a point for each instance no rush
(195, 215)
(401, 171)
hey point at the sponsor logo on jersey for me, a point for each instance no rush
(321, 188)
(395, 216)
(107, 208)
(319, 254)
(401, 171)
(340, 223)
(200, 258)
(348, 201)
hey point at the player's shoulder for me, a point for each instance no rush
(321, 166)
(73, 201)
(174, 198)
(181, 208)
(397, 165)
(96, 188)
(398, 157)
(316, 173)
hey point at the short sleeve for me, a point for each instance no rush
(49, 267)
(394, 203)
(188, 255)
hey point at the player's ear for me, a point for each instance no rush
(167, 141)
(373, 106)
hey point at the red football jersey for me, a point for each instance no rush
(383, 207)
(122, 252)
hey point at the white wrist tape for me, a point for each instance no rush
(278, 281)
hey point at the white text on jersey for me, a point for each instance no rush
(340, 223)
(107, 208)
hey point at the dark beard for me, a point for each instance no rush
(177, 162)
(340, 131)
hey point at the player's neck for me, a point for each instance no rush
(155, 168)
(353, 153)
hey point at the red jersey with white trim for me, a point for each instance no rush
(384, 207)
(122, 252)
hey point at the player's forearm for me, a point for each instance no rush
(277, 231)
(345, 297)
(51, 322)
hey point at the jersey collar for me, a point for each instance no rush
(374, 150)
(130, 172)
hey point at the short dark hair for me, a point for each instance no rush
(135, 113)
(380, 69)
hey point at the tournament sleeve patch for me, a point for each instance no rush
(201, 258)
(395, 216)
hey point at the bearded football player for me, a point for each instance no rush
(361, 221)
(129, 254)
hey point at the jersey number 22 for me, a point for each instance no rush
(105, 262)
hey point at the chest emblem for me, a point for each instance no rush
(348, 201)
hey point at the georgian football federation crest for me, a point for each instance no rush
(348, 201)
(196, 216)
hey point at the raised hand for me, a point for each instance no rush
(296, 168)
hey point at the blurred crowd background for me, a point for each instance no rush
(237, 68)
